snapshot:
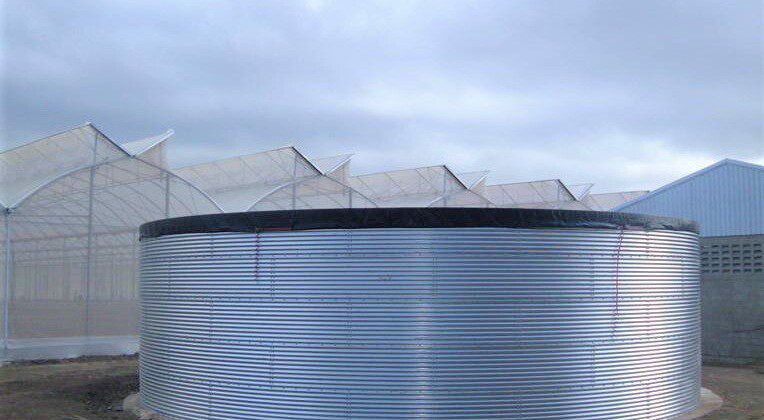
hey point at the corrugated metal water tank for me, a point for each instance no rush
(420, 313)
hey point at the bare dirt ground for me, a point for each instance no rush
(93, 389)
(80, 389)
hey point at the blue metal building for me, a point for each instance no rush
(726, 198)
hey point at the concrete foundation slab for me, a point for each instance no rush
(709, 402)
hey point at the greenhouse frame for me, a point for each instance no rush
(475, 181)
(430, 186)
(545, 194)
(609, 201)
(279, 179)
(72, 204)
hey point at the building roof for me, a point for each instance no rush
(609, 201)
(688, 178)
(30, 166)
(579, 191)
(52, 184)
(276, 179)
(330, 164)
(139, 147)
(529, 194)
(472, 179)
(726, 199)
(429, 186)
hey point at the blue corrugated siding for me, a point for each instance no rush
(727, 200)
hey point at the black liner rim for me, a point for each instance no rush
(406, 217)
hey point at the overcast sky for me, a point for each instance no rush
(625, 94)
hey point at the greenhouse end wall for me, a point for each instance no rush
(70, 256)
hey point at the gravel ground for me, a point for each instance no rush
(93, 389)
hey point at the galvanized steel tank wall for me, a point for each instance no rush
(457, 323)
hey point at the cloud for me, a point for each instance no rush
(627, 95)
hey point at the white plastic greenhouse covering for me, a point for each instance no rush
(551, 194)
(336, 167)
(72, 205)
(432, 186)
(609, 201)
(280, 179)
(475, 181)
(150, 149)
(579, 191)
(73, 202)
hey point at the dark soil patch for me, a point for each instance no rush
(87, 388)
(105, 395)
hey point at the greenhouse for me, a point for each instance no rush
(72, 204)
(280, 179)
(431, 186)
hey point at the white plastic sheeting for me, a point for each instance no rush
(151, 149)
(601, 201)
(579, 191)
(26, 168)
(431, 186)
(559, 205)
(337, 167)
(73, 203)
(280, 179)
(475, 181)
(609, 201)
(535, 194)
